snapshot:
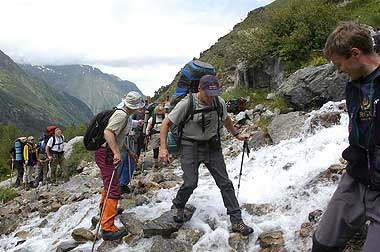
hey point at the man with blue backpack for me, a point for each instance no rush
(200, 117)
(19, 159)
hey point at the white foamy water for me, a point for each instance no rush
(264, 180)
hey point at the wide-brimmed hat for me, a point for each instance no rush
(133, 100)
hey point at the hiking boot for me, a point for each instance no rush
(95, 219)
(179, 215)
(124, 189)
(112, 236)
(242, 228)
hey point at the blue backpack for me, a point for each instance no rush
(189, 78)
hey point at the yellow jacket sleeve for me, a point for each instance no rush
(37, 155)
(26, 152)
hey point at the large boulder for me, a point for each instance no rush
(165, 225)
(268, 74)
(311, 87)
(163, 245)
(285, 126)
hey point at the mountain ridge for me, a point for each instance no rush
(89, 84)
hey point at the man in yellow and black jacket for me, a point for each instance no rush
(30, 161)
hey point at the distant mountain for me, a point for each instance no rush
(98, 90)
(32, 104)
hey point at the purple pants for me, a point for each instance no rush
(104, 159)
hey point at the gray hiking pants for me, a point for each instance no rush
(192, 155)
(350, 207)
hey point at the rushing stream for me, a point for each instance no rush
(275, 174)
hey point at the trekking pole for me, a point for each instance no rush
(245, 148)
(129, 163)
(103, 208)
(48, 175)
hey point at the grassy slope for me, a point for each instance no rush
(224, 54)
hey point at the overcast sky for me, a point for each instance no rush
(143, 41)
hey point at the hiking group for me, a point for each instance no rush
(37, 163)
(193, 126)
(193, 121)
(189, 127)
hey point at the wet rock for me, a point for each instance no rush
(20, 242)
(287, 166)
(271, 239)
(165, 225)
(131, 239)
(22, 234)
(127, 203)
(131, 223)
(168, 184)
(326, 119)
(189, 236)
(315, 216)
(55, 206)
(141, 200)
(67, 246)
(313, 86)
(285, 126)
(108, 246)
(152, 186)
(154, 177)
(273, 249)
(337, 168)
(43, 223)
(8, 224)
(82, 235)
(307, 229)
(258, 139)
(328, 175)
(238, 242)
(258, 209)
(164, 245)
(44, 195)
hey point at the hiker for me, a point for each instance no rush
(153, 130)
(130, 158)
(30, 161)
(108, 157)
(19, 159)
(167, 108)
(200, 143)
(55, 152)
(138, 136)
(350, 48)
(43, 166)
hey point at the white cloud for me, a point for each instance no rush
(144, 41)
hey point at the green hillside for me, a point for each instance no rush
(292, 30)
(98, 90)
(31, 104)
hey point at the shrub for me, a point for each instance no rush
(7, 194)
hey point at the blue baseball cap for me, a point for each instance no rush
(210, 84)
